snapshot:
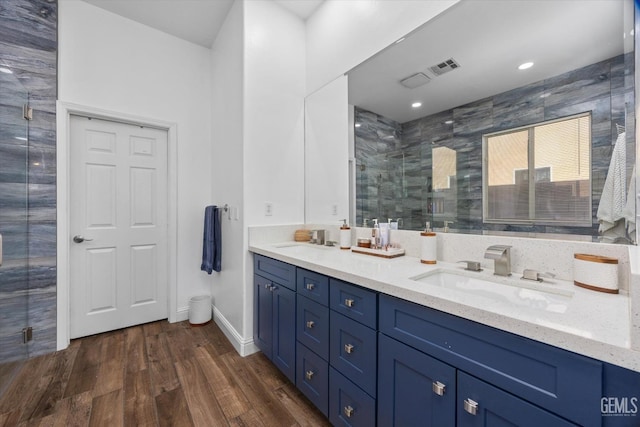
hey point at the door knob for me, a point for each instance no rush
(79, 239)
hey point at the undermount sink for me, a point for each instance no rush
(488, 290)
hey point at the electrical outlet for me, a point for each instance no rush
(334, 209)
(268, 209)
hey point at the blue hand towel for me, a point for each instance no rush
(211, 241)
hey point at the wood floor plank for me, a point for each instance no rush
(172, 409)
(85, 368)
(107, 410)
(139, 404)
(161, 369)
(136, 353)
(204, 409)
(158, 374)
(229, 395)
(272, 412)
(7, 372)
(111, 366)
(300, 408)
(21, 391)
(53, 383)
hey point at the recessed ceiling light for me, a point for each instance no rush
(525, 65)
(358, 125)
(5, 70)
(416, 104)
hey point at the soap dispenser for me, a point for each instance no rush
(375, 235)
(345, 236)
(429, 248)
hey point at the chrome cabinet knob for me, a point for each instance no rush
(309, 374)
(438, 388)
(348, 411)
(471, 406)
(349, 302)
(310, 324)
(348, 348)
(310, 286)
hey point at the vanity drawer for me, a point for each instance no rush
(313, 326)
(355, 302)
(353, 351)
(313, 285)
(312, 377)
(563, 382)
(280, 272)
(348, 405)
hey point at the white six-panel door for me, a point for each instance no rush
(118, 225)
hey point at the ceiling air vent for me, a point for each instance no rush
(415, 81)
(444, 67)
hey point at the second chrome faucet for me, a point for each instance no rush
(501, 255)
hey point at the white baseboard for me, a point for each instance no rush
(243, 346)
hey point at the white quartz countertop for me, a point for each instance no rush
(555, 312)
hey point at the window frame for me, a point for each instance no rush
(531, 175)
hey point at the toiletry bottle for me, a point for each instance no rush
(375, 234)
(429, 248)
(345, 235)
(383, 228)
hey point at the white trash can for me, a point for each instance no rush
(199, 309)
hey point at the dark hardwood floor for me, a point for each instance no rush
(158, 374)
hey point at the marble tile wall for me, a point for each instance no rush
(605, 89)
(28, 46)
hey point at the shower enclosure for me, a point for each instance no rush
(14, 178)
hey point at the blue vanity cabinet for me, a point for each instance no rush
(549, 379)
(483, 405)
(274, 312)
(414, 389)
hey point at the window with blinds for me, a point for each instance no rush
(540, 174)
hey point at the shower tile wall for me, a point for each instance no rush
(28, 45)
(602, 88)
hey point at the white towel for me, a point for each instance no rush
(629, 211)
(614, 193)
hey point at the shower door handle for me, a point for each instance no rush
(79, 239)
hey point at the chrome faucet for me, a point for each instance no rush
(320, 237)
(501, 255)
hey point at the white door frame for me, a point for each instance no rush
(63, 112)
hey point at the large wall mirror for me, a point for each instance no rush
(502, 117)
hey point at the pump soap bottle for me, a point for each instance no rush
(345, 236)
(429, 246)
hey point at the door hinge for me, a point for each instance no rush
(27, 112)
(27, 334)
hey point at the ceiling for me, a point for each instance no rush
(489, 39)
(197, 21)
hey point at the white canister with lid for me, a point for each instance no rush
(596, 272)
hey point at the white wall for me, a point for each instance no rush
(258, 88)
(274, 113)
(112, 63)
(327, 154)
(227, 68)
(342, 34)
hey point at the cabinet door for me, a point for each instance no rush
(263, 315)
(413, 389)
(483, 405)
(313, 326)
(284, 331)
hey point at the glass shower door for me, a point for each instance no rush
(13, 218)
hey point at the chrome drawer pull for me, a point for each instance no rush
(310, 286)
(348, 411)
(267, 286)
(309, 375)
(438, 388)
(310, 324)
(349, 302)
(471, 406)
(348, 348)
